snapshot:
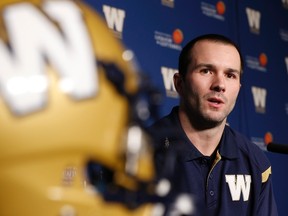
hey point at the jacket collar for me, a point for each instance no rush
(227, 147)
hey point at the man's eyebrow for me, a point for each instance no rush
(231, 70)
(202, 65)
(211, 66)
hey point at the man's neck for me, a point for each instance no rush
(206, 140)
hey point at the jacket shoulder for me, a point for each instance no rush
(250, 150)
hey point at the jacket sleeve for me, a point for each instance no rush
(267, 205)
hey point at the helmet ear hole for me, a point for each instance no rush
(99, 176)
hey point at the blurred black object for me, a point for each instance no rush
(277, 148)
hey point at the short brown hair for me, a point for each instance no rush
(184, 57)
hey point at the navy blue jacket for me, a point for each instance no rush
(236, 182)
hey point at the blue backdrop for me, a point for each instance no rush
(157, 30)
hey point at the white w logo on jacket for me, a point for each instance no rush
(238, 184)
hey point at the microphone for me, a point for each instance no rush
(277, 148)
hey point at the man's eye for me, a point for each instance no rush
(206, 71)
(231, 75)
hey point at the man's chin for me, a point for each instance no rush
(213, 121)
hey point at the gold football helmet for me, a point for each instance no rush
(69, 114)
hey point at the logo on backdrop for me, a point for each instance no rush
(259, 98)
(215, 11)
(172, 41)
(284, 34)
(168, 3)
(285, 3)
(286, 108)
(257, 63)
(268, 138)
(239, 184)
(114, 19)
(167, 75)
(254, 18)
(262, 142)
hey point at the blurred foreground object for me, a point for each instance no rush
(71, 116)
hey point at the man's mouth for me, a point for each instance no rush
(215, 100)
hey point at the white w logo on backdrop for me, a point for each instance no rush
(239, 184)
(253, 20)
(167, 74)
(259, 96)
(114, 18)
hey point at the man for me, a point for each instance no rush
(224, 172)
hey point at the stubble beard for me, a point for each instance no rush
(202, 117)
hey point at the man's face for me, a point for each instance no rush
(212, 83)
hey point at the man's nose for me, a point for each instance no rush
(218, 83)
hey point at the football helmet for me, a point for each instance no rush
(71, 114)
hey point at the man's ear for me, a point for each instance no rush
(178, 83)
